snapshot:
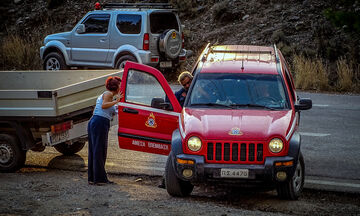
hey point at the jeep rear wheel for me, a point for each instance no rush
(70, 149)
(292, 188)
(120, 64)
(170, 43)
(12, 157)
(54, 61)
(174, 185)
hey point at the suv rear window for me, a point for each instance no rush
(159, 22)
(129, 23)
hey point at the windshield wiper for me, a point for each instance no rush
(252, 105)
(212, 104)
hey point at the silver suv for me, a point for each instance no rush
(148, 33)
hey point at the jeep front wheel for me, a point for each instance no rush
(292, 188)
(120, 63)
(12, 157)
(174, 185)
(54, 61)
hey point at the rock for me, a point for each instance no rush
(245, 17)
(294, 18)
(299, 25)
(17, 1)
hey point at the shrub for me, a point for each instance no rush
(19, 53)
(346, 75)
(310, 74)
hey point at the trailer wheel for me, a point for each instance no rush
(175, 186)
(12, 157)
(69, 149)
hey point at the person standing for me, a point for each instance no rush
(184, 79)
(98, 129)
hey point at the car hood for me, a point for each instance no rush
(58, 36)
(235, 124)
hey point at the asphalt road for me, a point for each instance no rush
(330, 145)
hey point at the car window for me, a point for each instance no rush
(143, 88)
(129, 23)
(239, 90)
(160, 21)
(97, 23)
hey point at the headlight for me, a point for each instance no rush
(194, 143)
(276, 145)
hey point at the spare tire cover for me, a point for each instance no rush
(171, 43)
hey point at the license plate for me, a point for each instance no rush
(59, 137)
(166, 64)
(234, 173)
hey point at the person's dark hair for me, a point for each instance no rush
(112, 83)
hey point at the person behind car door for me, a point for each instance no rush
(98, 129)
(185, 79)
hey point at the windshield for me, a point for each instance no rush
(238, 91)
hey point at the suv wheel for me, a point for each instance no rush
(120, 64)
(12, 157)
(292, 188)
(54, 61)
(170, 43)
(174, 185)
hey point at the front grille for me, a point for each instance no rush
(228, 152)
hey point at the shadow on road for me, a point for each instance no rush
(64, 162)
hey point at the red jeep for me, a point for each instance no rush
(238, 124)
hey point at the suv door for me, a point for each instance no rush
(146, 121)
(93, 44)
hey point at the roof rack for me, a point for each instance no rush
(138, 5)
(277, 59)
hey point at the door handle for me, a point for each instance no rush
(102, 40)
(129, 110)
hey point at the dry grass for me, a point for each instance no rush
(347, 78)
(310, 74)
(18, 53)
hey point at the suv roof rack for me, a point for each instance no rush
(138, 5)
(210, 49)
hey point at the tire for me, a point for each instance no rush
(66, 149)
(54, 62)
(292, 188)
(12, 157)
(175, 186)
(170, 43)
(120, 63)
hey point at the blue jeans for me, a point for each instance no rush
(98, 130)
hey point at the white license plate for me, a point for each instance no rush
(59, 137)
(234, 173)
(166, 64)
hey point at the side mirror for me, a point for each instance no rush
(80, 29)
(159, 103)
(303, 104)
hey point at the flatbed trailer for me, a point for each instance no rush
(46, 108)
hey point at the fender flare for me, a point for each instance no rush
(59, 46)
(176, 143)
(123, 50)
(294, 149)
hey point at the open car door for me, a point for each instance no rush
(148, 112)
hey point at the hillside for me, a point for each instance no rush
(296, 27)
